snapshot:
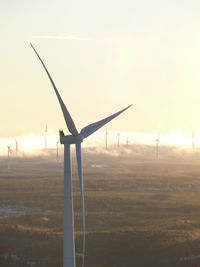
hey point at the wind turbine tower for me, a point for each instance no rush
(75, 138)
(157, 145)
(45, 137)
(106, 136)
(193, 139)
(16, 147)
(8, 160)
(118, 136)
(127, 142)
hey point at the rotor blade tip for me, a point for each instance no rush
(32, 47)
(129, 106)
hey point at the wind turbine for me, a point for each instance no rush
(106, 136)
(9, 151)
(16, 147)
(193, 139)
(127, 142)
(157, 140)
(45, 137)
(118, 136)
(75, 138)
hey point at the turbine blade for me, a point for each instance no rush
(91, 128)
(68, 119)
(80, 175)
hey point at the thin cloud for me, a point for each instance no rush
(62, 37)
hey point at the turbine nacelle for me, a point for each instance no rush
(70, 139)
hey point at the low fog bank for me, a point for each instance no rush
(97, 156)
(144, 153)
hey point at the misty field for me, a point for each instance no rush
(139, 211)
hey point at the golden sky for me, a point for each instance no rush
(103, 56)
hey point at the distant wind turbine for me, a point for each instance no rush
(8, 160)
(127, 142)
(118, 136)
(106, 136)
(16, 147)
(75, 138)
(193, 139)
(157, 140)
(45, 137)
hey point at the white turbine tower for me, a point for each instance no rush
(193, 139)
(45, 137)
(9, 151)
(106, 140)
(16, 147)
(75, 138)
(127, 142)
(157, 140)
(118, 136)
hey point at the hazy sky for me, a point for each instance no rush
(103, 55)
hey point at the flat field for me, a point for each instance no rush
(139, 211)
